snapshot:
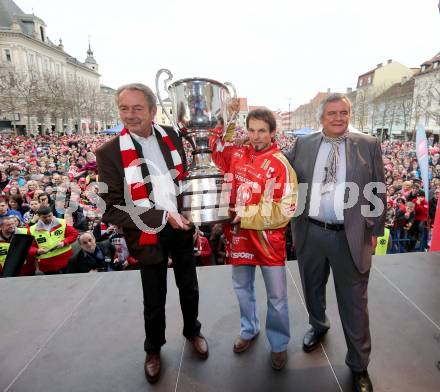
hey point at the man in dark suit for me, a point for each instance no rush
(342, 191)
(91, 256)
(142, 198)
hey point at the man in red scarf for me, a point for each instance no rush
(142, 200)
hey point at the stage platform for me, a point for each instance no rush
(84, 332)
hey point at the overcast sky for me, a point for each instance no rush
(270, 50)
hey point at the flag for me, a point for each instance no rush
(422, 157)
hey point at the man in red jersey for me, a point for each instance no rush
(263, 198)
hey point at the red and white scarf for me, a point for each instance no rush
(133, 173)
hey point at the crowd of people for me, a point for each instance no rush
(410, 212)
(50, 193)
(61, 173)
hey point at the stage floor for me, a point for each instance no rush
(85, 333)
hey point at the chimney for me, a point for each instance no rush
(349, 90)
(389, 61)
(379, 65)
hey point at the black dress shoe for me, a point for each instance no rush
(312, 339)
(200, 346)
(152, 367)
(362, 382)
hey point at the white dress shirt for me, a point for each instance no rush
(328, 207)
(164, 193)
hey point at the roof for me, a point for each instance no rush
(8, 9)
(398, 89)
(10, 13)
(367, 73)
(103, 86)
(428, 66)
(318, 97)
(243, 104)
(433, 60)
(258, 107)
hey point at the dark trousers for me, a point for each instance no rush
(351, 290)
(178, 245)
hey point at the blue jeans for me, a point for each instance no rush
(277, 319)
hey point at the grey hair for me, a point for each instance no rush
(7, 218)
(334, 97)
(148, 93)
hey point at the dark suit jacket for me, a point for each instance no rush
(364, 165)
(81, 262)
(111, 172)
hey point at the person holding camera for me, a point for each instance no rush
(92, 256)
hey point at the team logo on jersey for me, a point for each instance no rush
(58, 232)
(41, 240)
(244, 194)
(242, 255)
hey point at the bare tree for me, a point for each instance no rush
(9, 101)
(434, 98)
(107, 110)
(78, 99)
(361, 110)
(426, 103)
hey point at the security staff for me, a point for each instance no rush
(7, 229)
(383, 243)
(53, 237)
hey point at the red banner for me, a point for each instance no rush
(435, 239)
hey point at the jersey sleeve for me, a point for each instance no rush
(278, 200)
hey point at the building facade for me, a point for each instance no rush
(426, 101)
(42, 87)
(305, 116)
(372, 84)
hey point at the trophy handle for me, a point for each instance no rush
(166, 83)
(230, 87)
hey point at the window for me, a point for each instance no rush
(435, 65)
(369, 79)
(8, 56)
(361, 82)
(30, 59)
(423, 68)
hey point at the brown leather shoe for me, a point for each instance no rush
(278, 360)
(362, 382)
(152, 367)
(241, 345)
(200, 346)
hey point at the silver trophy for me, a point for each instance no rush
(198, 106)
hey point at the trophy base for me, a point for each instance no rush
(206, 200)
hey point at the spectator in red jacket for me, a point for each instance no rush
(202, 249)
(421, 208)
